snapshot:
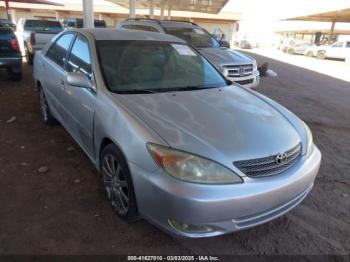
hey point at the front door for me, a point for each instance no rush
(79, 103)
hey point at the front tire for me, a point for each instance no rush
(321, 55)
(118, 183)
(46, 115)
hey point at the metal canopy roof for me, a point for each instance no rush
(45, 2)
(342, 15)
(203, 6)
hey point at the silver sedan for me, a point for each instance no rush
(175, 142)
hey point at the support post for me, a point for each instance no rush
(169, 9)
(162, 10)
(7, 9)
(132, 9)
(88, 13)
(151, 9)
(331, 32)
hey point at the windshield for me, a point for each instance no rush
(197, 37)
(43, 25)
(149, 66)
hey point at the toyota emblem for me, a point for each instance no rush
(280, 158)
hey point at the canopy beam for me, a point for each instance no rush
(88, 13)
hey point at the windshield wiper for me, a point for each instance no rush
(190, 88)
(137, 91)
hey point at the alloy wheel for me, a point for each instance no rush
(43, 106)
(116, 184)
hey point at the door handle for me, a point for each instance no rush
(62, 82)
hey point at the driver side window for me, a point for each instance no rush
(79, 59)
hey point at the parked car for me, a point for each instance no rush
(10, 54)
(338, 50)
(300, 48)
(72, 23)
(286, 44)
(7, 23)
(35, 33)
(237, 67)
(175, 142)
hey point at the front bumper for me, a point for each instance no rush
(224, 208)
(250, 81)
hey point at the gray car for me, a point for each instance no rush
(174, 141)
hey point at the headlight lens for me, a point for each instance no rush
(310, 142)
(191, 168)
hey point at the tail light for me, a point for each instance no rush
(15, 45)
(32, 39)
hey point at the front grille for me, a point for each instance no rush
(245, 82)
(239, 70)
(267, 166)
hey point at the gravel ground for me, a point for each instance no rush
(63, 210)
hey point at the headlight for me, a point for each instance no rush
(310, 142)
(191, 168)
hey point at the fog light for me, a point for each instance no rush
(186, 228)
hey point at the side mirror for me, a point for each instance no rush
(224, 44)
(78, 79)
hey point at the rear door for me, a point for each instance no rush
(54, 73)
(78, 104)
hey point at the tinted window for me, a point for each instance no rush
(340, 44)
(100, 24)
(195, 36)
(79, 58)
(147, 66)
(43, 25)
(141, 27)
(347, 44)
(58, 51)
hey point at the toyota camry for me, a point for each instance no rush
(175, 142)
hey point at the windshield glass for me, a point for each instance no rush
(148, 66)
(43, 25)
(197, 37)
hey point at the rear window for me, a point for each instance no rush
(43, 25)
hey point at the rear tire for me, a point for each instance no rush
(321, 55)
(29, 57)
(46, 115)
(118, 183)
(15, 75)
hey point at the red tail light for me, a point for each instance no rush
(32, 39)
(15, 45)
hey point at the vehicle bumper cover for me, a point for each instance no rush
(225, 208)
(254, 80)
(10, 61)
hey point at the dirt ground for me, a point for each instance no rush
(65, 211)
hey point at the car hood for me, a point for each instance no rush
(225, 56)
(225, 124)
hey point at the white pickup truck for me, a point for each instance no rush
(338, 50)
(33, 34)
